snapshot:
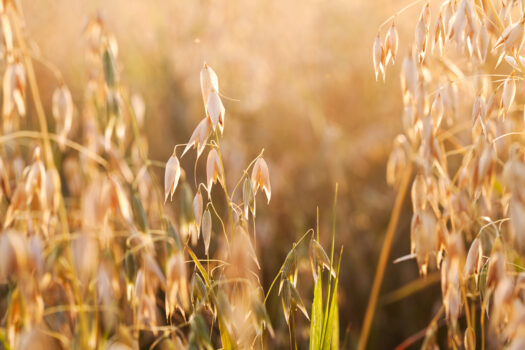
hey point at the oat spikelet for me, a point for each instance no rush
(171, 176)
(391, 44)
(378, 55)
(62, 112)
(199, 137)
(261, 178)
(209, 82)
(213, 169)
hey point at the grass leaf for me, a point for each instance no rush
(316, 326)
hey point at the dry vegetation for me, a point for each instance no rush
(283, 158)
(462, 138)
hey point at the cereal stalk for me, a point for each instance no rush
(383, 258)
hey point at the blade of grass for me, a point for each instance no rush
(331, 339)
(317, 313)
(331, 264)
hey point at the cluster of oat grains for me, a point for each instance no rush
(463, 136)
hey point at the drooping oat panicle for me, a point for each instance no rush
(171, 176)
(213, 169)
(261, 178)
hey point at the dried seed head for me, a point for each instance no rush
(474, 258)
(419, 193)
(391, 44)
(13, 255)
(424, 238)
(209, 82)
(378, 56)
(422, 32)
(176, 284)
(171, 176)
(14, 90)
(120, 201)
(397, 161)
(199, 137)
(213, 169)
(439, 35)
(437, 110)
(248, 197)
(261, 178)
(197, 208)
(215, 110)
(421, 40)
(409, 76)
(206, 229)
(512, 38)
(509, 92)
(483, 43)
(495, 270)
(85, 258)
(63, 112)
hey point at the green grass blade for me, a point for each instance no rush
(200, 267)
(316, 325)
(331, 332)
(225, 336)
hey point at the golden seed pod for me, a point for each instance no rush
(199, 137)
(14, 84)
(437, 110)
(261, 178)
(509, 92)
(248, 197)
(378, 56)
(62, 108)
(474, 259)
(206, 229)
(391, 44)
(213, 169)
(209, 82)
(171, 176)
(215, 110)
(419, 193)
(197, 206)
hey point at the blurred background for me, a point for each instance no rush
(300, 80)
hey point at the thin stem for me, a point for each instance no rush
(383, 258)
(291, 327)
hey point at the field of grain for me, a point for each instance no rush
(270, 174)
